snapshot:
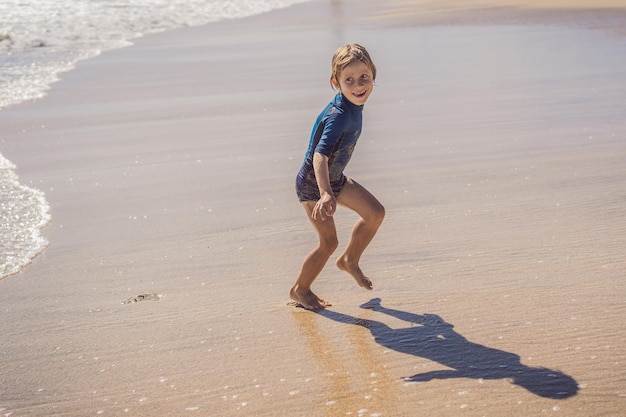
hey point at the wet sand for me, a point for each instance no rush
(494, 138)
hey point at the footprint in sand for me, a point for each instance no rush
(143, 297)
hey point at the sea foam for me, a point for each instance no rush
(40, 39)
(24, 211)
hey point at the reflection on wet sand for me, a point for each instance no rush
(355, 378)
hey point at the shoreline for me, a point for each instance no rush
(169, 183)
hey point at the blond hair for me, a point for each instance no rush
(346, 55)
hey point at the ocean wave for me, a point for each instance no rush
(40, 39)
(24, 212)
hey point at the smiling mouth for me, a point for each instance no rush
(360, 94)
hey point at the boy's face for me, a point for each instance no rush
(356, 82)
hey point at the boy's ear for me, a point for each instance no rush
(335, 83)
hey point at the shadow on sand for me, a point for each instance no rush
(430, 337)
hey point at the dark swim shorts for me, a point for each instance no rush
(310, 192)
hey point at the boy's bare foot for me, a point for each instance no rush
(356, 273)
(307, 299)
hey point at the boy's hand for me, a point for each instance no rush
(325, 207)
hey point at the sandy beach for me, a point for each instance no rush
(495, 138)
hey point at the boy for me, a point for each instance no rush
(321, 184)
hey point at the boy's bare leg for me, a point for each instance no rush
(315, 262)
(357, 198)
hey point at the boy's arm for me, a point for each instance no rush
(326, 205)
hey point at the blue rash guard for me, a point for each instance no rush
(334, 135)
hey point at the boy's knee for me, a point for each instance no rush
(378, 214)
(329, 244)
